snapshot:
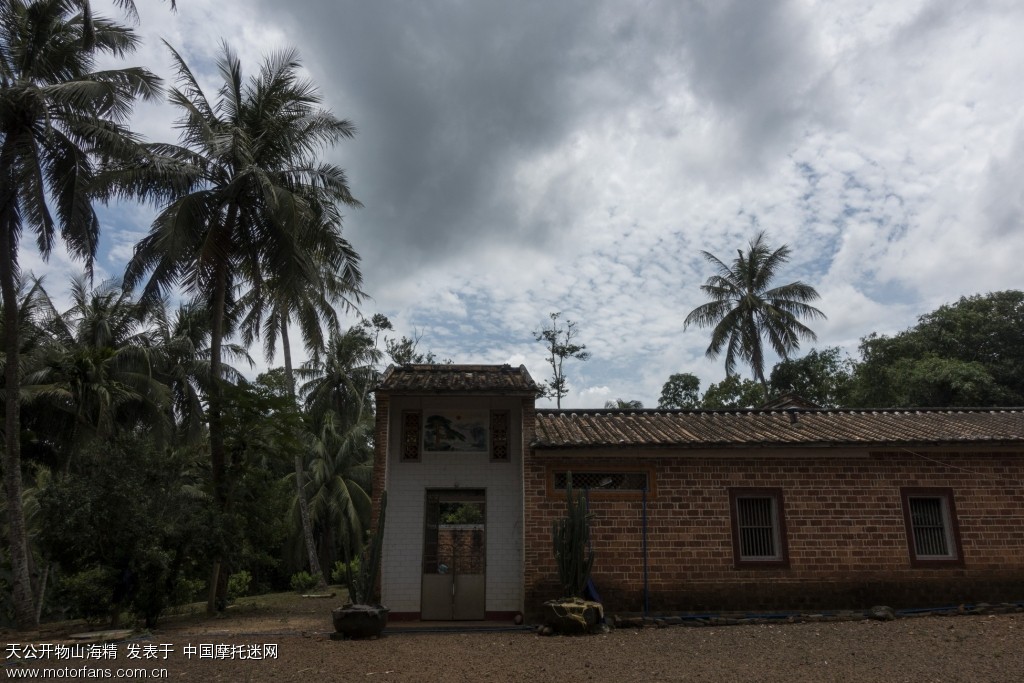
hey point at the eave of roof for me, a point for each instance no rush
(791, 428)
(457, 379)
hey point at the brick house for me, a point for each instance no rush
(790, 508)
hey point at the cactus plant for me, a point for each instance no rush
(571, 536)
(362, 583)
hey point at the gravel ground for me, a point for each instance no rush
(961, 648)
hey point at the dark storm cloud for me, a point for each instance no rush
(449, 97)
(446, 98)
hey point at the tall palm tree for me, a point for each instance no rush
(337, 394)
(58, 118)
(181, 353)
(341, 382)
(239, 196)
(312, 304)
(340, 476)
(96, 367)
(745, 308)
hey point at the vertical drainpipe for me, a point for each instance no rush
(646, 581)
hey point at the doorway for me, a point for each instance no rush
(454, 555)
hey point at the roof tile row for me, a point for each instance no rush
(430, 379)
(704, 429)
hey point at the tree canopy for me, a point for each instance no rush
(967, 353)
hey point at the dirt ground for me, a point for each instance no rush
(286, 638)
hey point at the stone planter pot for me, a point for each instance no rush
(359, 621)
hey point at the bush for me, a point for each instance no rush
(87, 594)
(239, 583)
(338, 574)
(303, 582)
(187, 591)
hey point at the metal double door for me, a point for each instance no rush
(454, 555)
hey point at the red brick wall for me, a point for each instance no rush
(845, 528)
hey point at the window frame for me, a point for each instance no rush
(410, 436)
(778, 526)
(593, 494)
(949, 517)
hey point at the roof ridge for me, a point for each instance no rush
(776, 411)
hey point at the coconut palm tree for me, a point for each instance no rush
(241, 196)
(181, 359)
(96, 368)
(58, 118)
(312, 304)
(340, 474)
(337, 394)
(745, 308)
(340, 383)
(313, 309)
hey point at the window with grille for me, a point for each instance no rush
(932, 534)
(500, 435)
(603, 481)
(758, 527)
(411, 420)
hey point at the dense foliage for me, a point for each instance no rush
(248, 229)
(967, 353)
(120, 511)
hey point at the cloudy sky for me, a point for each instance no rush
(521, 158)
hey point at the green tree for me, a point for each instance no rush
(560, 347)
(93, 376)
(309, 295)
(621, 404)
(338, 399)
(967, 353)
(244, 195)
(744, 308)
(58, 119)
(88, 24)
(822, 377)
(405, 351)
(732, 393)
(681, 391)
(127, 522)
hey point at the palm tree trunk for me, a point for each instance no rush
(217, 600)
(42, 592)
(24, 605)
(300, 472)
(764, 386)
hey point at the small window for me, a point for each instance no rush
(933, 536)
(500, 435)
(411, 435)
(602, 481)
(758, 528)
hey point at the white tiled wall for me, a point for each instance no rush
(408, 482)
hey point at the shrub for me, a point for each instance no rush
(87, 594)
(239, 583)
(303, 582)
(339, 574)
(186, 591)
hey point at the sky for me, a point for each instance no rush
(516, 159)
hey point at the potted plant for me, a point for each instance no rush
(364, 616)
(574, 558)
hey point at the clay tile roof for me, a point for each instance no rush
(430, 379)
(764, 428)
